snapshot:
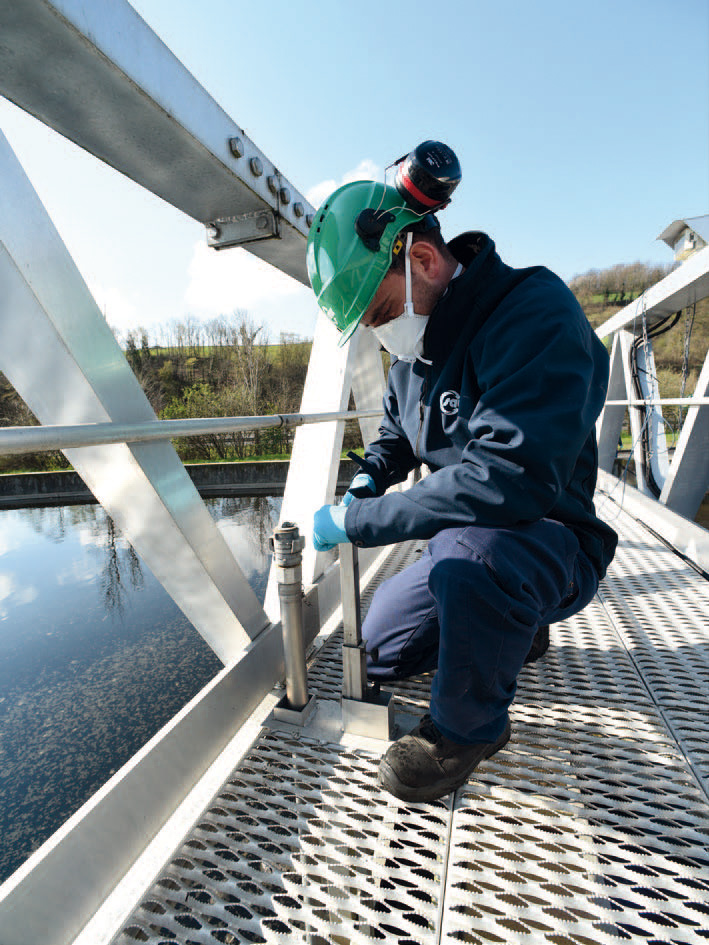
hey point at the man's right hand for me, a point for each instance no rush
(361, 487)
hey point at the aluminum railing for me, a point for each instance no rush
(70, 436)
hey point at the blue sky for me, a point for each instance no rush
(582, 131)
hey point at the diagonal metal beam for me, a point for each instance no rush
(59, 353)
(688, 479)
(97, 74)
(610, 423)
(315, 458)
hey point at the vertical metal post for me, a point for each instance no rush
(287, 545)
(354, 665)
(365, 710)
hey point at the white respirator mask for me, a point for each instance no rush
(403, 336)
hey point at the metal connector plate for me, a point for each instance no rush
(369, 718)
(242, 228)
(282, 712)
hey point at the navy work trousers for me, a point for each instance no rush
(470, 608)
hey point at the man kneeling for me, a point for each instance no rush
(495, 385)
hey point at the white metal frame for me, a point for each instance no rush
(60, 355)
(333, 373)
(690, 539)
(97, 74)
(683, 479)
(145, 488)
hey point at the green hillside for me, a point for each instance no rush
(227, 367)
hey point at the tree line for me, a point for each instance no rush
(227, 367)
(619, 284)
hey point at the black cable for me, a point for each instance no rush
(688, 327)
(659, 329)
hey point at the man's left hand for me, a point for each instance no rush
(361, 487)
(329, 527)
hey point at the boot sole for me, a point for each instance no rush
(387, 777)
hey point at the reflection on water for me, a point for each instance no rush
(94, 656)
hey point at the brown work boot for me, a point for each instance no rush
(425, 765)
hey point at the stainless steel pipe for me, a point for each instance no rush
(287, 544)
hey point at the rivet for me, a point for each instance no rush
(272, 184)
(256, 166)
(236, 146)
(309, 219)
(285, 195)
(298, 209)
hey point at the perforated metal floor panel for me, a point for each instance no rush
(591, 826)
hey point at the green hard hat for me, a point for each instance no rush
(350, 247)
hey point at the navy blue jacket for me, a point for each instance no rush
(503, 417)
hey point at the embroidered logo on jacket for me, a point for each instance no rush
(449, 402)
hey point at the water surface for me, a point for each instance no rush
(94, 656)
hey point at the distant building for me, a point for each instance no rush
(686, 236)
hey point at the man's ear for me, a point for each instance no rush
(426, 259)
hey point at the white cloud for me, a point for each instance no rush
(7, 586)
(221, 282)
(27, 595)
(365, 170)
(117, 308)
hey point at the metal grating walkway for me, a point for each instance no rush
(591, 827)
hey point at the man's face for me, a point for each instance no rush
(430, 274)
(388, 301)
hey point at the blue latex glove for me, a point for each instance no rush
(361, 481)
(329, 527)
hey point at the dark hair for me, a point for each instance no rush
(431, 235)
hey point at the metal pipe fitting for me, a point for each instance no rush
(287, 544)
